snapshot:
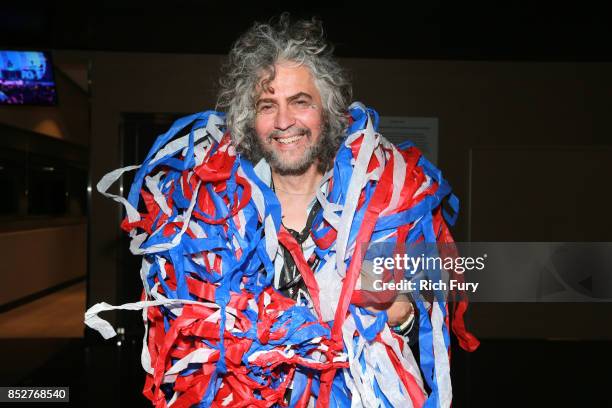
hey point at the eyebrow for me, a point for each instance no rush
(264, 100)
(298, 96)
(289, 99)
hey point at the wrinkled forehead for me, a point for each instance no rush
(285, 77)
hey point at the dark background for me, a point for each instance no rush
(574, 31)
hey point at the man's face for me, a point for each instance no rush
(289, 119)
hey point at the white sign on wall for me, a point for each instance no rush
(423, 132)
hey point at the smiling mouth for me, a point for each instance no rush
(289, 140)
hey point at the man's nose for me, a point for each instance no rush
(284, 118)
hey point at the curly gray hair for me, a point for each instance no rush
(256, 52)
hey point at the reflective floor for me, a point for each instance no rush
(57, 315)
(42, 344)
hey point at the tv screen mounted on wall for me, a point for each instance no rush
(26, 78)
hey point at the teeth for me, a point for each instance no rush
(289, 140)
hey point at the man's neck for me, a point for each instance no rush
(295, 193)
(302, 184)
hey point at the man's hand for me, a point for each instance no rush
(398, 312)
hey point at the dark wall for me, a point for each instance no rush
(46, 244)
(124, 83)
(492, 104)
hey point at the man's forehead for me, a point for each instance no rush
(289, 80)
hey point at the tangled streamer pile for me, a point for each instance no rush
(209, 230)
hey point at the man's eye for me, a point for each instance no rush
(265, 108)
(302, 103)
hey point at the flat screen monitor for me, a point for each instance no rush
(26, 78)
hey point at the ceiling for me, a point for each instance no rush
(418, 30)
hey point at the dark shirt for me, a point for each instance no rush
(290, 282)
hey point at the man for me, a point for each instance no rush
(253, 242)
(287, 101)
